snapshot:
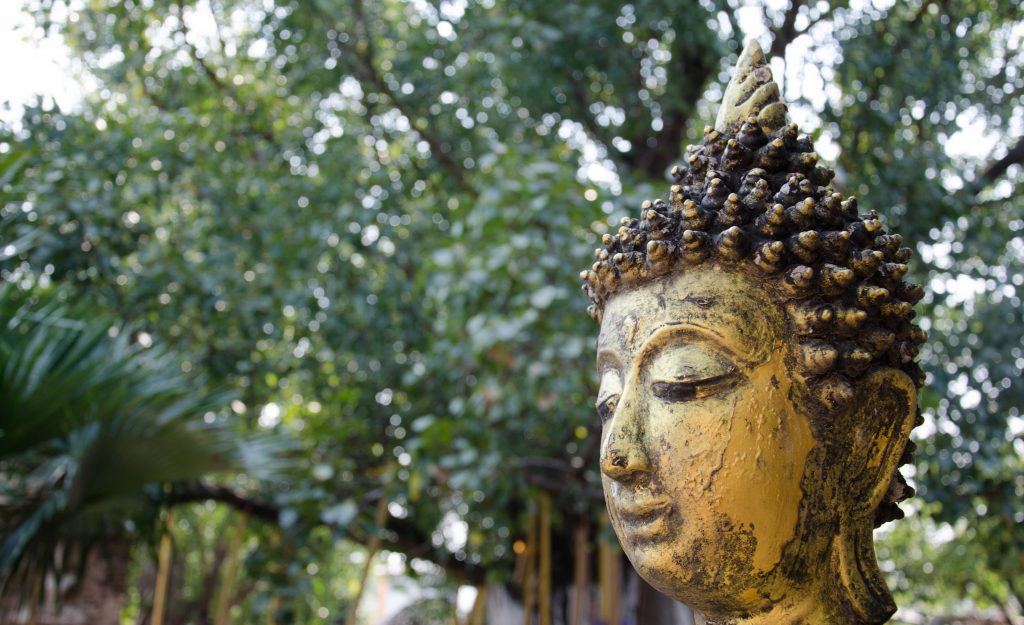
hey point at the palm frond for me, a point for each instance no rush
(89, 420)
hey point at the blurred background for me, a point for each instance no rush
(292, 331)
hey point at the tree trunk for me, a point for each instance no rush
(104, 587)
(97, 599)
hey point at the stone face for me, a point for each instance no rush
(758, 383)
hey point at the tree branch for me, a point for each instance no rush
(556, 476)
(579, 94)
(786, 32)
(363, 51)
(824, 15)
(194, 52)
(691, 68)
(996, 169)
(210, 73)
(999, 604)
(400, 534)
(734, 23)
(201, 492)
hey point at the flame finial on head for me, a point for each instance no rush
(752, 91)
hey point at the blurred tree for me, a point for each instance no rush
(368, 216)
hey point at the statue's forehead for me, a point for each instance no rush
(726, 306)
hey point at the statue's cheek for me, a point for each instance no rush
(684, 465)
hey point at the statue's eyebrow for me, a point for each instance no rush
(750, 354)
(608, 357)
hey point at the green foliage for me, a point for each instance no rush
(424, 612)
(955, 561)
(916, 79)
(367, 218)
(92, 424)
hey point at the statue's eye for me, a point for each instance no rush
(685, 390)
(606, 407)
(688, 371)
(608, 396)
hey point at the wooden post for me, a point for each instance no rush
(275, 605)
(479, 611)
(372, 547)
(163, 570)
(222, 604)
(581, 572)
(609, 571)
(528, 578)
(37, 594)
(544, 576)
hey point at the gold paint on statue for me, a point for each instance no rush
(758, 383)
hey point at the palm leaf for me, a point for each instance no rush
(88, 421)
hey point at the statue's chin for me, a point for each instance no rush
(692, 585)
(690, 593)
(665, 562)
(674, 589)
(672, 581)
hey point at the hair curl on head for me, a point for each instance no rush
(758, 196)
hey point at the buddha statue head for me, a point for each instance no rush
(758, 377)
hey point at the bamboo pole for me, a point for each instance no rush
(519, 571)
(372, 547)
(163, 570)
(275, 605)
(275, 601)
(222, 604)
(528, 577)
(544, 579)
(479, 611)
(581, 573)
(609, 573)
(37, 591)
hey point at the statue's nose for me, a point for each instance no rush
(623, 454)
(623, 464)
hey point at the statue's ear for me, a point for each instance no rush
(877, 430)
(870, 439)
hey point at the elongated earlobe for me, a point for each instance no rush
(878, 433)
(867, 458)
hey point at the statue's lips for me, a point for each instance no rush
(641, 519)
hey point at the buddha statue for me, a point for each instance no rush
(758, 377)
